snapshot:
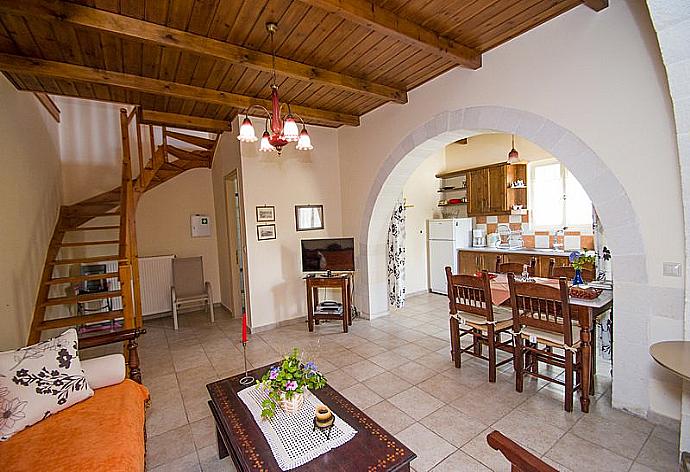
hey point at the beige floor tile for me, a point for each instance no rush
(637, 467)
(165, 413)
(460, 462)
(389, 417)
(658, 454)
(387, 384)
(415, 402)
(361, 396)
(548, 408)
(479, 450)
(626, 442)
(411, 351)
(578, 454)
(169, 446)
(469, 375)
(389, 360)
(196, 406)
(188, 463)
(453, 426)
(340, 380)
(368, 349)
(446, 389)
(208, 458)
(204, 432)
(413, 372)
(429, 447)
(363, 370)
(529, 432)
(436, 362)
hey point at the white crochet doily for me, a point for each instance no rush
(291, 437)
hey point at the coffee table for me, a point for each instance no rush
(372, 448)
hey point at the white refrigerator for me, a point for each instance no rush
(445, 237)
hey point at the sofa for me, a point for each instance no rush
(103, 433)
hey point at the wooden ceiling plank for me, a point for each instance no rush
(132, 28)
(41, 67)
(224, 19)
(275, 12)
(503, 16)
(466, 29)
(596, 5)
(150, 117)
(379, 19)
(202, 15)
(247, 18)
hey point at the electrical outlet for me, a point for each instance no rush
(672, 269)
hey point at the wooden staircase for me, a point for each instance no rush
(101, 229)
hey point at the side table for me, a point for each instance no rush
(343, 282)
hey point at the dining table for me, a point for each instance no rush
(586, 311)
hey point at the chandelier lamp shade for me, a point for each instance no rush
(280, 128)
(513, 156)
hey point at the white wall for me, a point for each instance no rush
(600, 76)
(485, 149)
(163, 222)
(30, 195)
(420, 191)
(276, 289)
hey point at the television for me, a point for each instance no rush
(325, 255)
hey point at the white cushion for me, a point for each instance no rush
(550, 338)
(104, 371)
(39, 380)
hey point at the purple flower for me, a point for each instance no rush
(573, 255)
(310, 366)
(274, 373)
(291, 385)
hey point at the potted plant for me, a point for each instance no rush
(286, 383)
(579, 260)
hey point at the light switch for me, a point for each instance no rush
(672, 269)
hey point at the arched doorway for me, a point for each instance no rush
(607, 194)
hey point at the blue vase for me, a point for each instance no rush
(577, 280)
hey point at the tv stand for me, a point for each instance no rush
(338, 281)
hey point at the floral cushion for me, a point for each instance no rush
(39, 380)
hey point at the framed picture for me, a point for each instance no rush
(308, 217)
(265, 213)
(265, 232)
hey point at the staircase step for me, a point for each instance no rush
(187, 155)
(93, 228)
(90, 243)
(195, 140)
(77, 320)
(82, 260)
(81, 278)
(88, 297)
(88, 214)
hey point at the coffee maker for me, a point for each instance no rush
(478, 238)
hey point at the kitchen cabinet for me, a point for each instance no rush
(489, 190)
(526, 259)
(471, 262)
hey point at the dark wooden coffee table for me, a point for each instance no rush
(372, 448)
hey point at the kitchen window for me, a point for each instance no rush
(556, 198)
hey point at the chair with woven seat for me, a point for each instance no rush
(568, 272)
(541, 317)
(515, 267)
(472, 314)
(189, 286)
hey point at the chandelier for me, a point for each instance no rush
(278, 130)
(513, 156)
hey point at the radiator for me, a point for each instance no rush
(155, 276)
(114, 284)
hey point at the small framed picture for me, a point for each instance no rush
(265, 232)
(265, 213)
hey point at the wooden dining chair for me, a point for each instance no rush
(521, 460)
(541, 317)
(472, 314)
(568, 272)
(515, 267)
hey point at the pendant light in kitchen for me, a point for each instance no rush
(513, 156)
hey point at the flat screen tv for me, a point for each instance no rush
(323, 255)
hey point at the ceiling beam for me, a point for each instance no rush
(173, 120)
(369, 15)
(49, 105)
(134, 29)
(60, 70)
(596, 5)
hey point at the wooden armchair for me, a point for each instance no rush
(568, 272)
(520, 459)
(472, 314)
(515, 267)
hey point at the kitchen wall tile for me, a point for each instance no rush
(587, 242)
(480, 226)
(491, 228)
(541, 233)
(514, 218)
(503, 218)
(527, 229)
(571, 242)
(528, 240)
(480, 219)
(492, 219)
(525, 218)
(541, 241)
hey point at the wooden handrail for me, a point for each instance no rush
(126, 179)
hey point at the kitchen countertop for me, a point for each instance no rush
(525, 250)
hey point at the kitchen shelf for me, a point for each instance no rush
(451, 204)
(441, 190)
(524, 186)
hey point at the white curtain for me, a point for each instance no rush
(396, 256)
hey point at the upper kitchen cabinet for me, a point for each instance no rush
(496, 189)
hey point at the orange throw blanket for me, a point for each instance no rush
(103, 433)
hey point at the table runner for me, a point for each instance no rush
(500, 292)
(292, 439)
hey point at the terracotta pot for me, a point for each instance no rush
(293, 405)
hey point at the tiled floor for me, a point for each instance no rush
(398, 370)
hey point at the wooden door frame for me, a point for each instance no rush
(230, 224)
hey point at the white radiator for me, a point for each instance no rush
(155, 276)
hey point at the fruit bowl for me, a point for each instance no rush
(587, 293)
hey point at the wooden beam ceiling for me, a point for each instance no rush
(131, 28)
(150, 117)
(370, 15)
(596, 5)
(41, 67)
